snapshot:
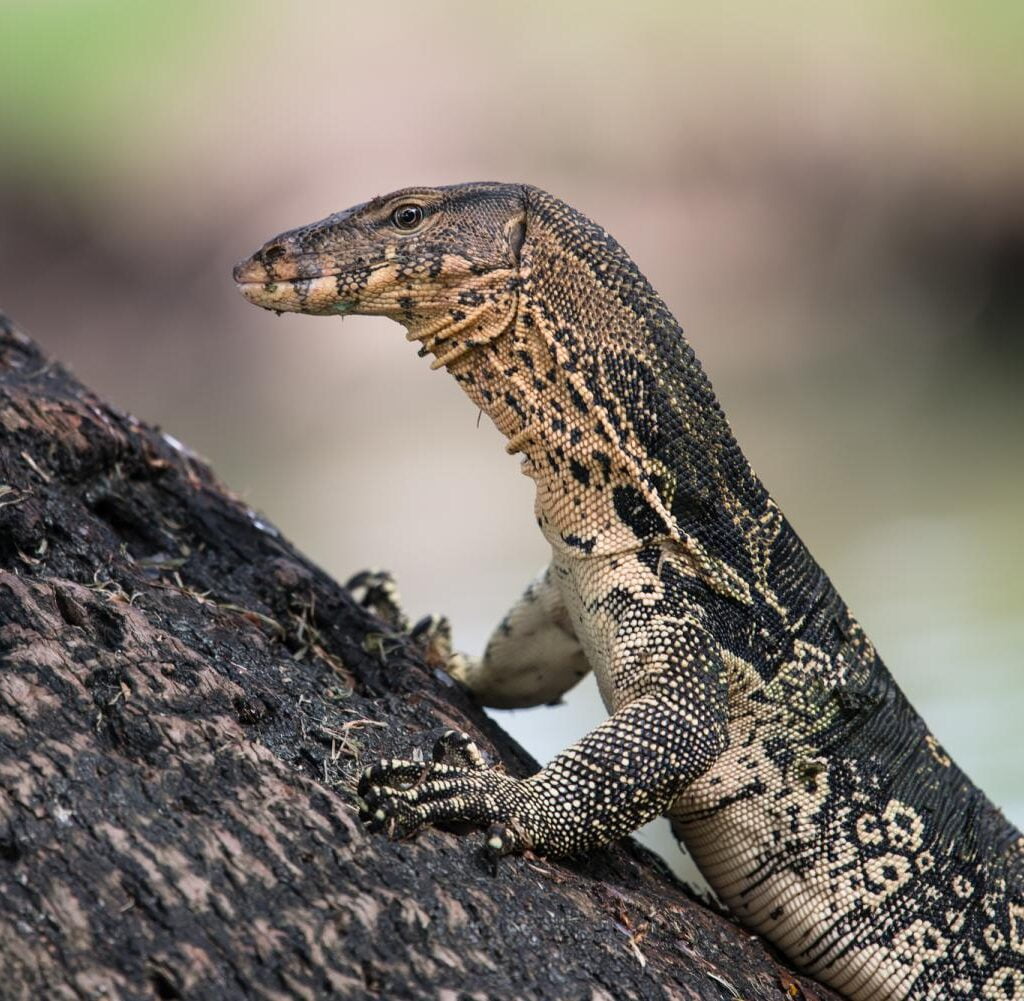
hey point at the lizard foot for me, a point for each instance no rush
(400, 796)
(434, 634)
(376, 590)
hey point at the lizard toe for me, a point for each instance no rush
(458, 748)
(377, 591)
(374, 809)
(501, 840)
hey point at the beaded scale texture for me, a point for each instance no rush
(745, 701)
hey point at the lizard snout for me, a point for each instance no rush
(276, 260)
(249, 271)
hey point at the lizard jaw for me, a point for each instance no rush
(303, 295)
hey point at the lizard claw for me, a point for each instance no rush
(499, 841)
(434, 634)
(373, 810)
(380, 808)
(503, 839)
(377, 591)
(430, 628)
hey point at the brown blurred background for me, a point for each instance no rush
(831, 200)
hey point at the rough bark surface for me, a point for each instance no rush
(185, 702)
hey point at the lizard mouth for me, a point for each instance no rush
(295, 295)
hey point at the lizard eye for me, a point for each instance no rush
(407, 216)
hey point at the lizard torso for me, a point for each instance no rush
(812, 796)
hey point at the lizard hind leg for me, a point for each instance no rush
(532, 658)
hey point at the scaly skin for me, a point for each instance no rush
(746, 702)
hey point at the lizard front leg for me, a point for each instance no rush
(621, 775)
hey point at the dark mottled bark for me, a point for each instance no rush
(184, 704)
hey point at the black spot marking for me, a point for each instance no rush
(688, 507)
(515, 405)
(637, 513)
(580, 472)
(577, 401)
(585, 545)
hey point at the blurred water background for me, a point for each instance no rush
(830, 197)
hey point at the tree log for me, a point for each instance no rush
(185, 703)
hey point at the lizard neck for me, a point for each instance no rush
(582, 367)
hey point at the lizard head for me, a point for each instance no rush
(550, 329)
(441, 261)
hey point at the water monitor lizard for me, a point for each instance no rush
(745, 701)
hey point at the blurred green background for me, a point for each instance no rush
(830, 197)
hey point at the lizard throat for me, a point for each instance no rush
(457, 334)
(482, 317)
